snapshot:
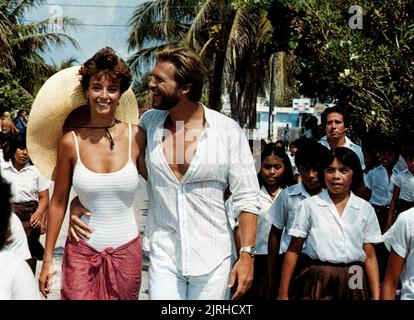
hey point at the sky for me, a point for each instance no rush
(103, 23)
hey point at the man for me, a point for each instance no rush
(192, 155)
(336, 124)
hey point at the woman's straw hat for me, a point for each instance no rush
(59, 96)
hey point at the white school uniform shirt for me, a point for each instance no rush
(334, 238)
(18, 240)
(400, 166)
(283, 210)
(263, 225)
(381, 185)
(348, 144)
(187, 222)
(26, 183)
(405, 181)
(17, 281)
(400, 238)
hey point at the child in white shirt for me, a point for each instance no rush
(338, 230)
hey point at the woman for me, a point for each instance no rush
(30, 191)
(99, 159)
(16, 280)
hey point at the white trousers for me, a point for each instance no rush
(167, 283)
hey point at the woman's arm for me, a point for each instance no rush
(391, 210)
(57, 208)
(289, 265)
(371, 267)
(392, 276)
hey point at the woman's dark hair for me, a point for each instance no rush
(348, 158)
(16, 142)
(106, 62)
(271, 149)
(5, 212)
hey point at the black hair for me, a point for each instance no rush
(5, 212)
(282, 143)
(310, 153)
(348, 158)
(16, 142)
(334, 109)
(271, 149)
(388, 146)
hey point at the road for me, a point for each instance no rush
(141, 210)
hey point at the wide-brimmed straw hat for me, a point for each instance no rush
(59, 96)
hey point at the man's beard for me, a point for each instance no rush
(167, 103)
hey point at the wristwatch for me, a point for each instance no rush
(249, 250)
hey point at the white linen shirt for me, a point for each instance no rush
(334, 238)
(18, 242)
(26, 183)
(400, 238)
(283, 211)
(348, 144)
(380, 184)
(187, 222)
(405, 181)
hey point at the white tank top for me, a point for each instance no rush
(110, 199)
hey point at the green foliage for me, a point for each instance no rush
(369, 70)
(12, 95)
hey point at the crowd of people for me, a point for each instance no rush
(323, 219)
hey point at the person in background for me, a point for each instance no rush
(275, 175)
(336, 124)
(338, 229)
(30, 191)
(399, 240)
(17, 281)
(403, 190)
(21, 121)
(379, 186)
(283, 210)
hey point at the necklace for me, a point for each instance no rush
(111, 141)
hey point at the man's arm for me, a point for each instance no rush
(242, 272)
(76, 225)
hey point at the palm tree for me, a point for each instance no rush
(232, 40)
(23, 42)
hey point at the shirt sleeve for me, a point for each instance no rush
(145, 119)
(277, 214)
(301, 223)
(372, 230)
(242, 176)
(396, 180)
(400, 235)
(24, 286)
(368, 179)
(42, 183)
(18, 244)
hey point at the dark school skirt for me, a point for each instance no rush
(24, 211)
(320, 280)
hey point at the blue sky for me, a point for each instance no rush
(103, 23)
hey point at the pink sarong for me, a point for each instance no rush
(112, 274)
